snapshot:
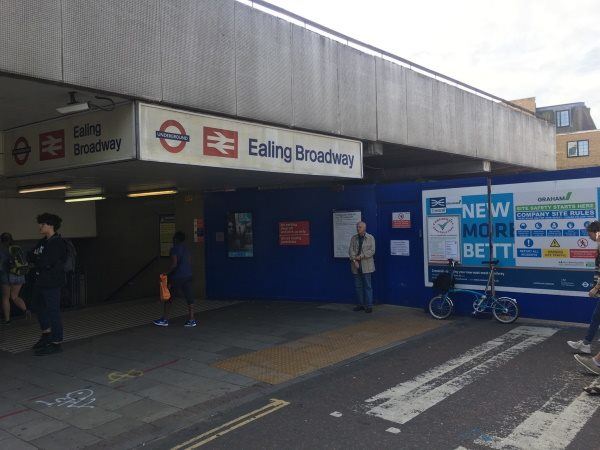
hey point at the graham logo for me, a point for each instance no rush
(172, 131)
(52, 145)
(21, 151)
(223, 143)
(555, 198)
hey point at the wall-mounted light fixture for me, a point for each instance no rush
(74, 106)
(43, 188)
(152, 193)
(84, 199)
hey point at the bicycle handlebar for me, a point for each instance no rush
(493, 262)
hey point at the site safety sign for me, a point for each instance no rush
(538, 233)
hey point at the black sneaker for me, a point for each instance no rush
(43, 341)
(358, 308)
(49, 349)
(368, 310)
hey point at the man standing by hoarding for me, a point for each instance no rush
(362, 263)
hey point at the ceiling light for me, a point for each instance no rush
(43, 188)
(73, 106)
(84, 199)
(152, 193)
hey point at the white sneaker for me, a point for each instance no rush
(580, 346)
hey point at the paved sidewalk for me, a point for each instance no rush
(123, 389)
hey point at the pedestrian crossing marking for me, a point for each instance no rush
(552, 427)
(407, 400)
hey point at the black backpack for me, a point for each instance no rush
(71, 258)
(17, 262)
(443, 282)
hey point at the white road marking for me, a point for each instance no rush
(393, 430)
(552, 427)
(409, 399)
(336, 414)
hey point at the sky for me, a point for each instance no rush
(546, 49)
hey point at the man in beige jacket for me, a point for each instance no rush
(361, 252)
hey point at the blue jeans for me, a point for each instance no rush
(364, 289)
(47, 303)
(594, 324)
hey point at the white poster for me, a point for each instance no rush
(400, 248)
(443, 238)
(344, 227)
(174, 136)
(79, 140)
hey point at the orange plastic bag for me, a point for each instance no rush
(165, 294)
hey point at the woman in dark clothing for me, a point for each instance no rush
(11, 282)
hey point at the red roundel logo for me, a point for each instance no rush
(172, 136)
(21, 151)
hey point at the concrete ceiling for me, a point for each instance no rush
(23, 101)
(117, 179)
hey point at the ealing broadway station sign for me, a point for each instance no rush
(74, 141)
(174, 136)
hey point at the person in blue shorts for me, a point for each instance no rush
(180, 279)
(10, 281)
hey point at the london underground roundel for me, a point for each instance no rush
(172, 136)
(21, 151)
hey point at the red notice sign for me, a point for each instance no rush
(401, 219)
(294, 233)
(587, 254)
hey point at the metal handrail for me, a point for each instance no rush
(395, 58)
(131, 278)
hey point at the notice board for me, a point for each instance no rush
(344, 227)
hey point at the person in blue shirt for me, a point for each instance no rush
(180, 280)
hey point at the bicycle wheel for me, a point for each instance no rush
(505, 310)
(440, 307)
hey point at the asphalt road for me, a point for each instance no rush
(473, 385)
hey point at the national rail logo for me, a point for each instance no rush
(52, 145)
(170, 131)
(219, 142)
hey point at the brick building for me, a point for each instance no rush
(577, 139)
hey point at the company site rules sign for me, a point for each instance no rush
(538, 232)
(294, 233)
(175, 136)
(74, 141)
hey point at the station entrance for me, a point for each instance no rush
(125, 175)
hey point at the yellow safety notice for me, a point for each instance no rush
(555, 243)
(556, 253)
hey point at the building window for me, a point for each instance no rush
(562, 118)
(578, 148)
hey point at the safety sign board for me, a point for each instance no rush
(401, 219)
(538, 232)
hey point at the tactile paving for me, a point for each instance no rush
(287, 361)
